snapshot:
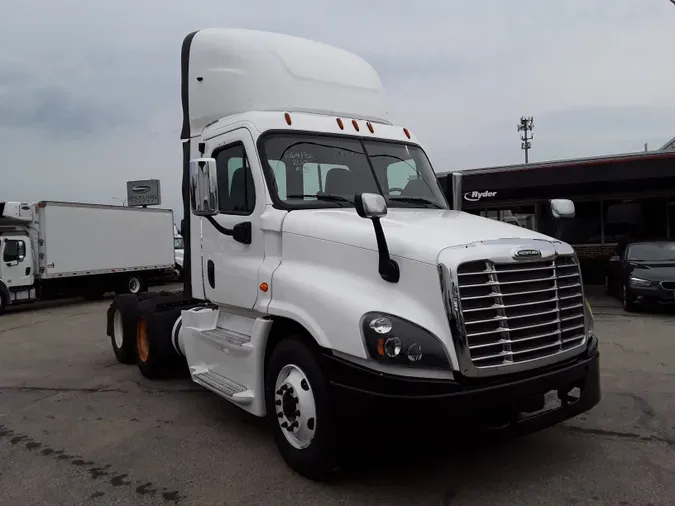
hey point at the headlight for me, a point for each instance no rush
(639, 281)
(392, 340)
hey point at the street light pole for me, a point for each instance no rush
(123, 201)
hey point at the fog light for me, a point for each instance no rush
(381, 325)
(392, 347)
(415, 352)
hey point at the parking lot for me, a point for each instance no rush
(76, 427)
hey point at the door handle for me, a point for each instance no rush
(211, 273)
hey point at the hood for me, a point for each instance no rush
(653, 271)
(415, 234)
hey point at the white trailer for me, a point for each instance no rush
(52, 249)
(325, 274)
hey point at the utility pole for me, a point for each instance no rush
(526, 125)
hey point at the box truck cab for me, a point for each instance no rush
(322, 262)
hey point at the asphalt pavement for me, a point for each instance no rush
(76, 427)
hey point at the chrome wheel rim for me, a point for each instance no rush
(118, 329)
(295, 407)
(134, 285)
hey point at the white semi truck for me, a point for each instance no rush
(323, 265)
(50, 249)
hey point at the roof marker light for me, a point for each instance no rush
(340, 123)
(288, 118)
(370, 127)
(406, 132)
(356, 125)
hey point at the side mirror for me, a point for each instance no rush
(562, 208)
(370, 205)
(204, 187)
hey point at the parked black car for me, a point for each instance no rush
(642, 272)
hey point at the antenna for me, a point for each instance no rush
(527, 125)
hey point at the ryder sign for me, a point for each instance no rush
(476, 196)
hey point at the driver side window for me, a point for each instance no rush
(15, 251)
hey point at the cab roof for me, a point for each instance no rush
(227, 71)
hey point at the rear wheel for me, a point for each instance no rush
(136, 284)
(155, 354)
(3, 303)
(299, 410)
(123, 314)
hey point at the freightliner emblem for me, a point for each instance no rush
(527, 253)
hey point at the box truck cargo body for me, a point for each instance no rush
(52, 249)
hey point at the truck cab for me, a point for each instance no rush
(17, 274)
(322, 259)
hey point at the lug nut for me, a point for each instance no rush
(277, 402)
(280, 414)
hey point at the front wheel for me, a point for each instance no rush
(628, 300)
(299, 410)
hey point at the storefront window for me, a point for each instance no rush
(631, 218)
(584, 228)
(521, 216)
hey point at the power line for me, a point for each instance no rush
(527, 125)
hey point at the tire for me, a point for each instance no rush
(122, 317)
(177, 273)
(155, 355)
(318, 458)
(134, 284)
(628, 303)
(3, 303)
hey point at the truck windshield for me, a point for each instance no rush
(306, 170)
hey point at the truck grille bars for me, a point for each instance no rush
(514, 316)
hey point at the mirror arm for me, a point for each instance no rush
(240, 233)
(388, 267)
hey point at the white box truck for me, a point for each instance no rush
(51, 249)
(325, 273)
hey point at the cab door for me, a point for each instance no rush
(16, 270)
(230, 263)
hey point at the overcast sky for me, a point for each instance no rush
(89, 91)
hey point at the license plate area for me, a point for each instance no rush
(552, 400)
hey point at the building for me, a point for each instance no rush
(628, 195)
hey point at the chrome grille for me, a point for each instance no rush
(517, 312)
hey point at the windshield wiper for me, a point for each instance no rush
(322, 196)
(416, 200)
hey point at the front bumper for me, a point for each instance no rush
(653, 294)
(514, 402)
